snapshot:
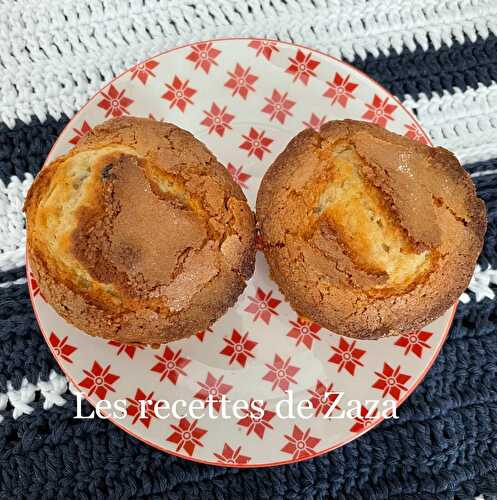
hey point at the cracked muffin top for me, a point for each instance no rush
(366, 232)
(138, 234)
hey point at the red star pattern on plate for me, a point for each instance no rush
(129, 349)
(144, 70)
(391, 381)
(263, 306)
(281, 373)
(232, 456)
(238, 175)
(241, 81)
(115, 103)
(257, 423)
(213, 387)
(99, 380)
(204, 56)
(34, 285)
(304, 331)
(414, 342)
(256, 143)
(217, 119)
(379, 111)
(179, 94)
(364, 421)
(340, 90)
(186, 435)
(320, 401)
(35, 289)
(238, 348)
(171, 365)
(300, 444)
(61, 347)
(264, 47)
(414, 133)
(315, 122)
(79, 133)
(201, 334)
(347, 356)
(134, 407)
(278, 106)
(302, 66)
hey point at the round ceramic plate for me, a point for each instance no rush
(245, 99)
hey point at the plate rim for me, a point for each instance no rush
(157, 446)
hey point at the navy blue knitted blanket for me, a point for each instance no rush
(439, 59)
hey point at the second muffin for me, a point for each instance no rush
(366, 232)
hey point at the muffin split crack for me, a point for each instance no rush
(366, 232)
(139, 234)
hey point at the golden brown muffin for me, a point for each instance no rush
(366, 232)
(139, 234)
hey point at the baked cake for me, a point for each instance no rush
(366, 232)
(139, 234)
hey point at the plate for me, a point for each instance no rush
(245, 98)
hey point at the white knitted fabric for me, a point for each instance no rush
(480, 285)
(463, 122)
(12, 224)
(19, 401)
(56, 54)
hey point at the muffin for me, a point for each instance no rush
(139, 234)
(366, 232)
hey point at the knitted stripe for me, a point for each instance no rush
(471, 132)
(24, 353)
(480, 168)
(487, 190)
(20, 400)
(420, 71)
(57, 54)
(12, 224)
(18, 281)
(425, 71)
(13, 276)
(24, 148)
(464, 122)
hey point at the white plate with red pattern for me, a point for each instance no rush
(245, 98)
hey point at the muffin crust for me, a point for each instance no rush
(366, 232)
(138, 234)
